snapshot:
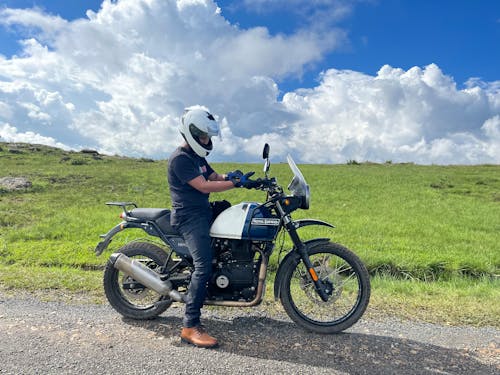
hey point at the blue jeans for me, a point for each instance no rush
(195, 228)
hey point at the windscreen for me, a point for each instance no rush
(298, 186)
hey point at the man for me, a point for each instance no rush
(191, 180)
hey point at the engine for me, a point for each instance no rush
(234, 274)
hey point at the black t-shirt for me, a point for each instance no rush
(184, 165)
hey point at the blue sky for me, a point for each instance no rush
(385, 79)
(461, 36)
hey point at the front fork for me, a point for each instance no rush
(320, 287)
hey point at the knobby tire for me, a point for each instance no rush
(117, 296)
(344, 271)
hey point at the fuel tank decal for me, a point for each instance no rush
(266, 221)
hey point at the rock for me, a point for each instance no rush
(15, 183)
(89, 151)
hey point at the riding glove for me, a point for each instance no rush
(245, 181)
(234, 176)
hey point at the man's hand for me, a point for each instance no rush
(234, 176)
(242, 180)
(245, 181)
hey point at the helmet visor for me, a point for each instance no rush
(197, 133)
(213, 129)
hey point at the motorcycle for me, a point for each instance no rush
(323, 286)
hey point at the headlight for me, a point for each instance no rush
(306, 198)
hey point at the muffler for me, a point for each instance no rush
(145, 276)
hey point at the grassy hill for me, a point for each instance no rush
(430, 235)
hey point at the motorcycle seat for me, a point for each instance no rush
(159, 215)
(148, 213)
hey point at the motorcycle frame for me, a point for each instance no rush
(299, 250)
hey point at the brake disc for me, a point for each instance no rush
(334, 286)
(133, 289)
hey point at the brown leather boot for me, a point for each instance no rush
(198, 337)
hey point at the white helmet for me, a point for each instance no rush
(197, 123)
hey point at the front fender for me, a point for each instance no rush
(305, 222)
(292, 254)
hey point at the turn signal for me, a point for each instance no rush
(122, 215)
(313, 274)
(286, 202)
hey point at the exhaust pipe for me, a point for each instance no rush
(145, 276)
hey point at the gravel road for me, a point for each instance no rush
(39, 337)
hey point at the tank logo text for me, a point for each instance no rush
(265, 221)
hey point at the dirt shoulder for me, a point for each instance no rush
(57, 337)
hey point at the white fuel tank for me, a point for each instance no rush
(230, 222)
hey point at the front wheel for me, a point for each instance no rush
(344, 276)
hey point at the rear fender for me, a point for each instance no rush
(108, 237)
(293, 254)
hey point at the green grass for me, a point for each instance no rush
(430, 235)
(457, 301)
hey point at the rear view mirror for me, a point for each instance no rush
(265, 156)
(265, 152)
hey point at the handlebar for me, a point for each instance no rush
(267, 184)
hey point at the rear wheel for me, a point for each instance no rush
(344, 276)
(127, 296)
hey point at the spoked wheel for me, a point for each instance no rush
(347, 284)
(129, 297)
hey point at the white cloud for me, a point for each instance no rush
(118, 81)
(416, 115)
(9, 133)
(33, 18)
(124, 75)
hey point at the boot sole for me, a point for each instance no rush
(216, 345)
